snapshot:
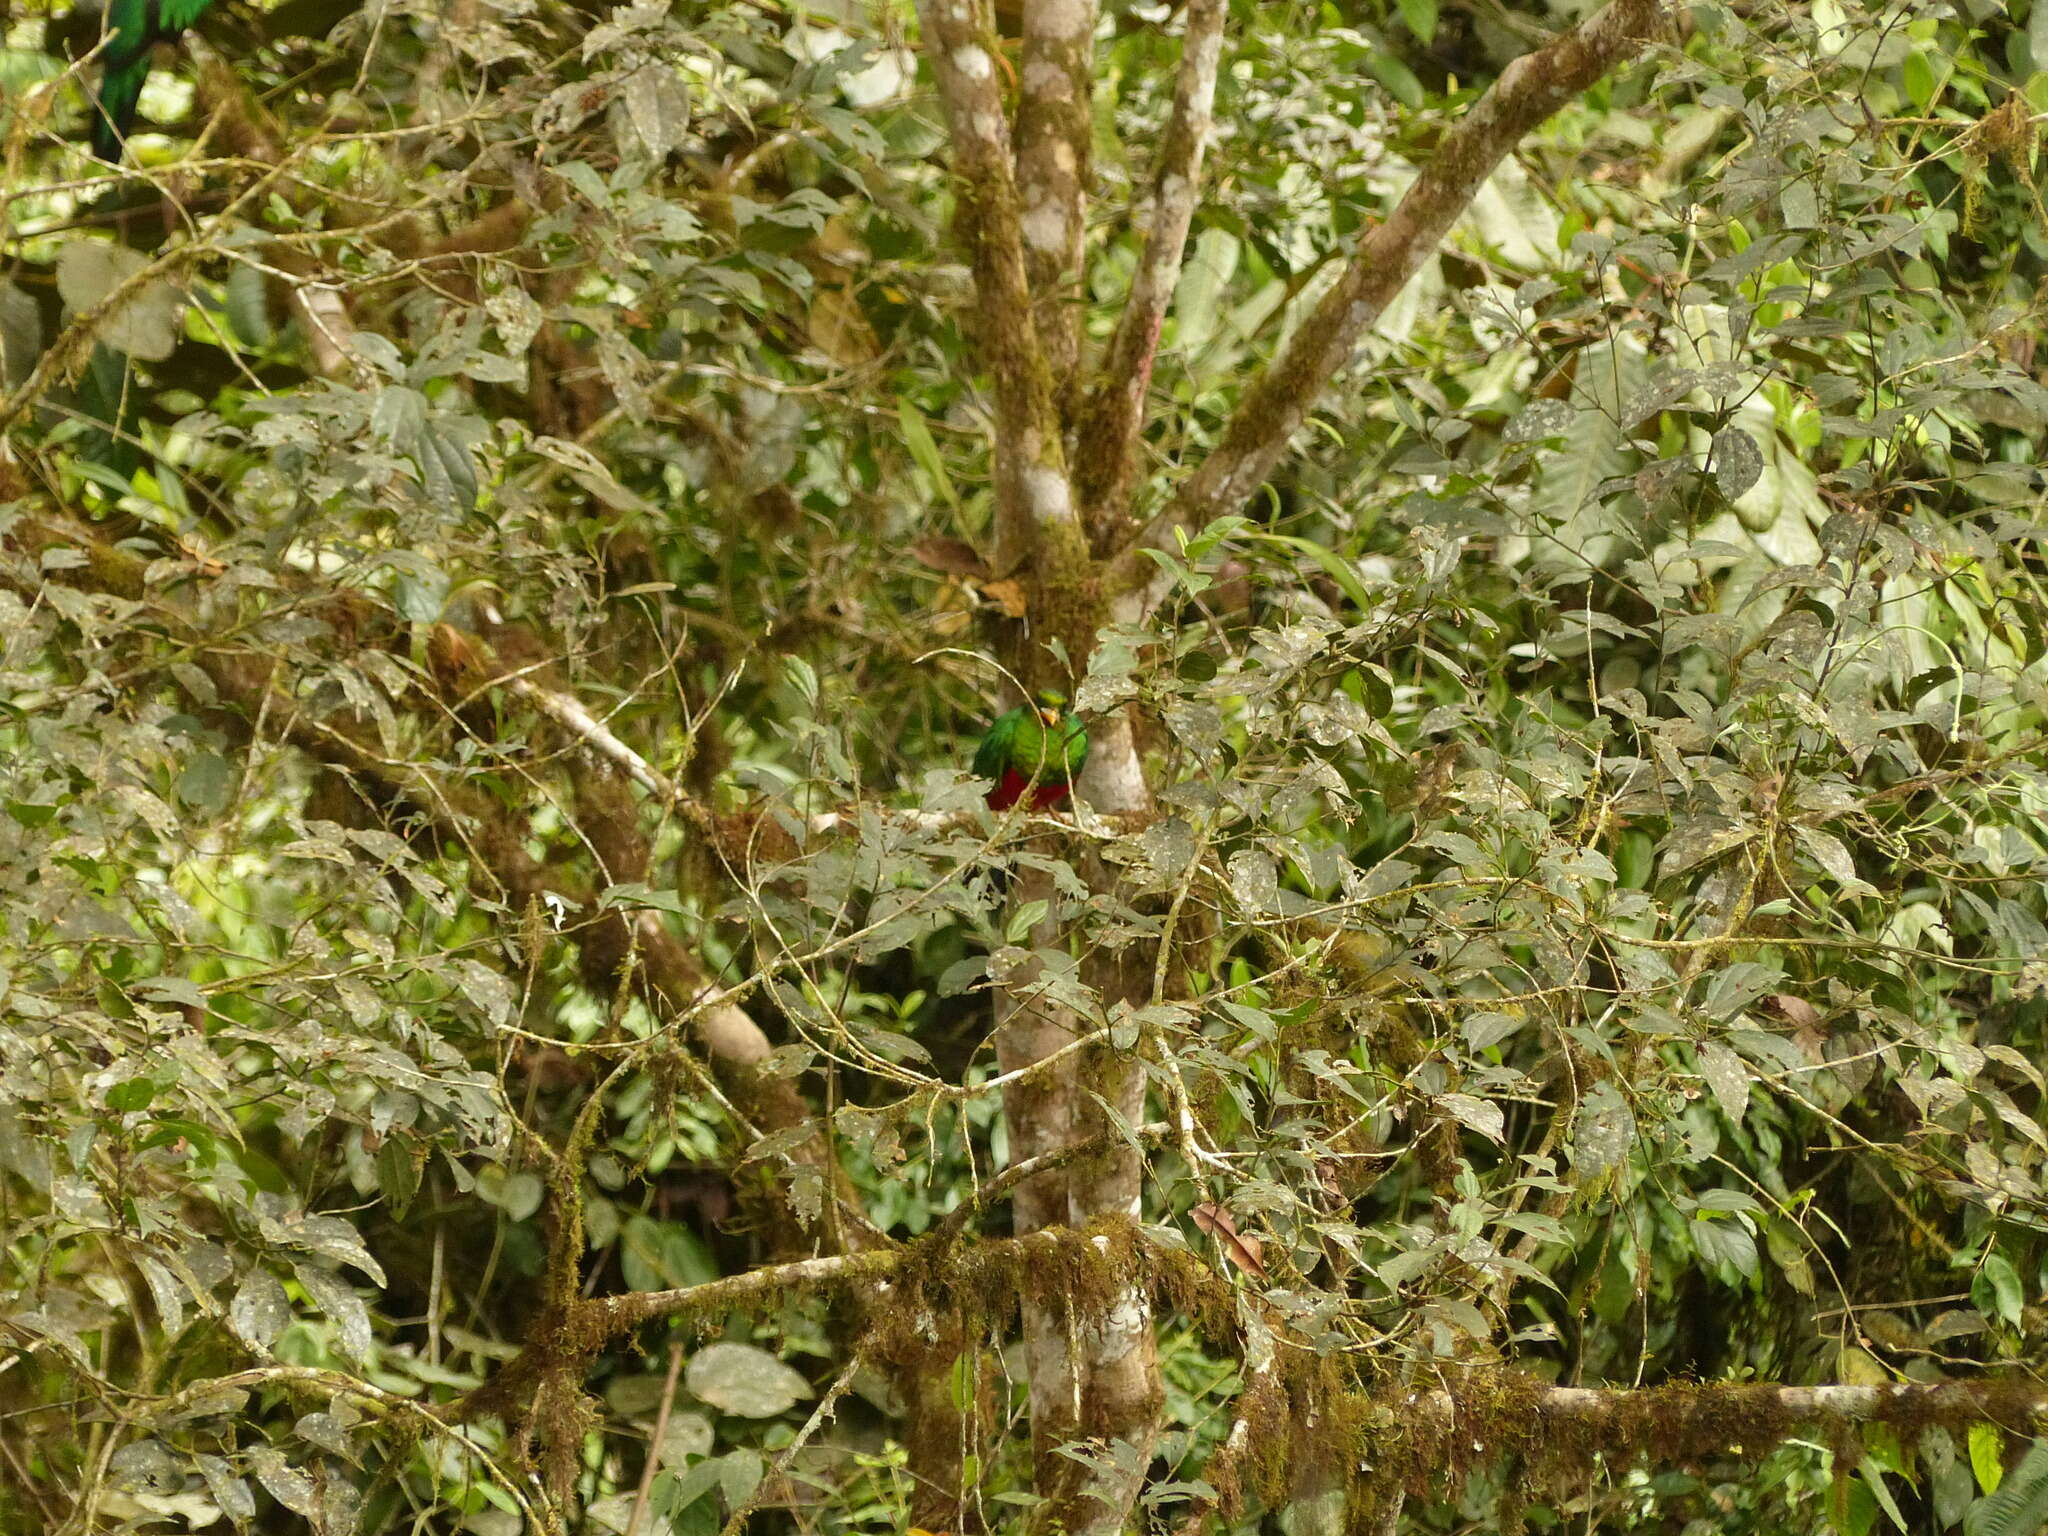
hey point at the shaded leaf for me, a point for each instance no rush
(740, 1379)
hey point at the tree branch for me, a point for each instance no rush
(1674, 1424)
(1528, 91)
(1034, 503)
(1054, 132)
(1115, 412)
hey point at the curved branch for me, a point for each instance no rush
(1528, 91)
(1115, 413)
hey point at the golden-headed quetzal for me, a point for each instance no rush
(1036, 746)
(134, 28)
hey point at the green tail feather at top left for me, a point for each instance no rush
(134, 28)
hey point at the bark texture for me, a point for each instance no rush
(1063, 525)
(1528, 91)
(1115, 412)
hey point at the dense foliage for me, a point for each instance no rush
(501, 589)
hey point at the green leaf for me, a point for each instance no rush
(1799, 204)
(2019, 1507)
(1401, 81)
(658, 106)
(145, 324)
(398, 414)
(130, 1096)
(1727, 1242)
(1987, 1455)
(1832, 855)
(739, 1475)
(1788, 1251)
(637, 895)
(171, 989)
(1334, 565)
(1727, 1077)
(446, 469)
(207, 784)
(1921, 82)
(1873, 1477)
(1205, 277)
(398, 1175)
(1420, 15)
(260, 1310)
(918, 438)
(740, 1379)
(419, 592)
(663, 1255)
(1024, 919)
(1738, 463)
(518, 1195)
(1995, 1290)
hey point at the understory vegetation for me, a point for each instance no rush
(518, 1015)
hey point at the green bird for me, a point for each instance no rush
(1032, 745)
(134, 28)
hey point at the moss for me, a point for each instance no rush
(563, 1414)
(1263, 1457)
(1064, 599)
(1184, 1286)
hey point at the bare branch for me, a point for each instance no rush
(1528, 91)
(1115, 413)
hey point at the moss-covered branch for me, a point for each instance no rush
(1115, 412)
(1035, 514)
(1528, 91)
(1055, 132)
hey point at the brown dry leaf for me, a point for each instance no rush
(1242, 1249)
(1008, 596)
(1805, 1021)
(839, 329)
(1793, 1009)
(956, 557)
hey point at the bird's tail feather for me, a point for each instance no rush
(114, 111)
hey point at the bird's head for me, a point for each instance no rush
(1052, 705)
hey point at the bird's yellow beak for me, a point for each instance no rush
(1049, 716)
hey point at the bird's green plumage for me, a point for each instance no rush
(134, 28)
(110, 400)
(1034, 742)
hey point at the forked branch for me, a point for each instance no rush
(1115, 412)
(1528, 91)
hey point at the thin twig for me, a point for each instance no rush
(780, 1470)
(668, 1401)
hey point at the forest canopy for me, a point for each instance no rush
(1042, 766)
